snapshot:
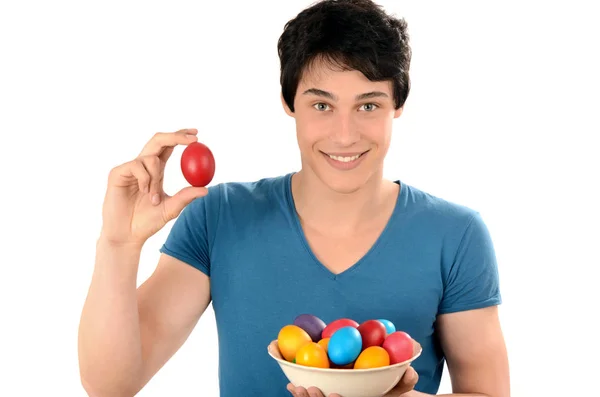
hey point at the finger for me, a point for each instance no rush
(174, 205)
(166, 154)
(141, 174)
(168, 140)
(191, 131)
(410, 378)
(155, 168)
(300, 392)
(190, 134)
(131, 169)
(314, 392)
(291, 388)
(407, 382)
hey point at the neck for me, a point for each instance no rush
(322, 208)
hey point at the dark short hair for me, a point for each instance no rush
(349, 35)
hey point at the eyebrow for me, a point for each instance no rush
(329, 95)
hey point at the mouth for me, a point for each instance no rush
(344, 161)
(345, 158)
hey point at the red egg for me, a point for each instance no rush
(337, 324)
(399, 346)
(198, 164)
(372, 332)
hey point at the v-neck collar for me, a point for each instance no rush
(380, 239)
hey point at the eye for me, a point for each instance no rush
(321, 107)
(369, 107)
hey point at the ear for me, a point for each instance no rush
(286, 108)
(398, 112)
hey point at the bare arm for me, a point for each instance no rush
(127, 335)
(109, 338)
(476, 354)
(170, 304)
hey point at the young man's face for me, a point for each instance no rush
(343, 125)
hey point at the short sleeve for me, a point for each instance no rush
(472, 281)
(188, 238)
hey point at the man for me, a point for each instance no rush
(334, 239)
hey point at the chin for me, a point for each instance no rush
(343, 182)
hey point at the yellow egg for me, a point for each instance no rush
(324, 343)
(312, 355)
(290, 339)
(372, 357)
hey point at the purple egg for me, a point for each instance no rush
(313, 325)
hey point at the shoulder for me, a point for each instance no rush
(249, 192)
(253, 191)
(435, 211)
(457, 229)
(243, 198)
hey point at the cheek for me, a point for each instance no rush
(312, 129)
(377, 130)
(304, 136)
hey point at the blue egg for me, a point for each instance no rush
(344, 346)
(389, 326)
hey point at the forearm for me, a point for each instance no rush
(110, 352)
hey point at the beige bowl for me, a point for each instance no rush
(373, 382)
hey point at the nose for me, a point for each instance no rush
(344, 131)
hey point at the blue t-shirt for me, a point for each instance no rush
(433, 257)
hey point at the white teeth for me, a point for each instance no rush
(344, 159)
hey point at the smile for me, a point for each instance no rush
(345, 159)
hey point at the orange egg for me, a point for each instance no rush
(372, 357)
(290, 339)
(312, 355)
(324, 343)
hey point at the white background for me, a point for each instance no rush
(502, 117)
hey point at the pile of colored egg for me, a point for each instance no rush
(343, 343)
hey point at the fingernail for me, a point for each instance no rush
(156, 199)
(190, 136)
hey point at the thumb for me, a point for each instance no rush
(175, 204)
